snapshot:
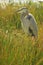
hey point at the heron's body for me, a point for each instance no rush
(29, 24)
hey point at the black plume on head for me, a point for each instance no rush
(22, 8)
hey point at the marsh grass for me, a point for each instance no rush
(16, 48)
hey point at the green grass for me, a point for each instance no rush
(16, 48)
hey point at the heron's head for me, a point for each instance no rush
(23, 10)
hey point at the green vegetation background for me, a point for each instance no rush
(16, 48)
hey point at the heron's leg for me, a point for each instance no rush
(32, 34)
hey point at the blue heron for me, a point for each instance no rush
(28, 22)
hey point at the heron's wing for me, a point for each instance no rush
(33, 24)
(31, 32)
(29, 17)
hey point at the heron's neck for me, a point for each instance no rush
(22, 16)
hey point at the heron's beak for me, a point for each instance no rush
(19, 11)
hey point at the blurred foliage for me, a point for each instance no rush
(16, 48)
